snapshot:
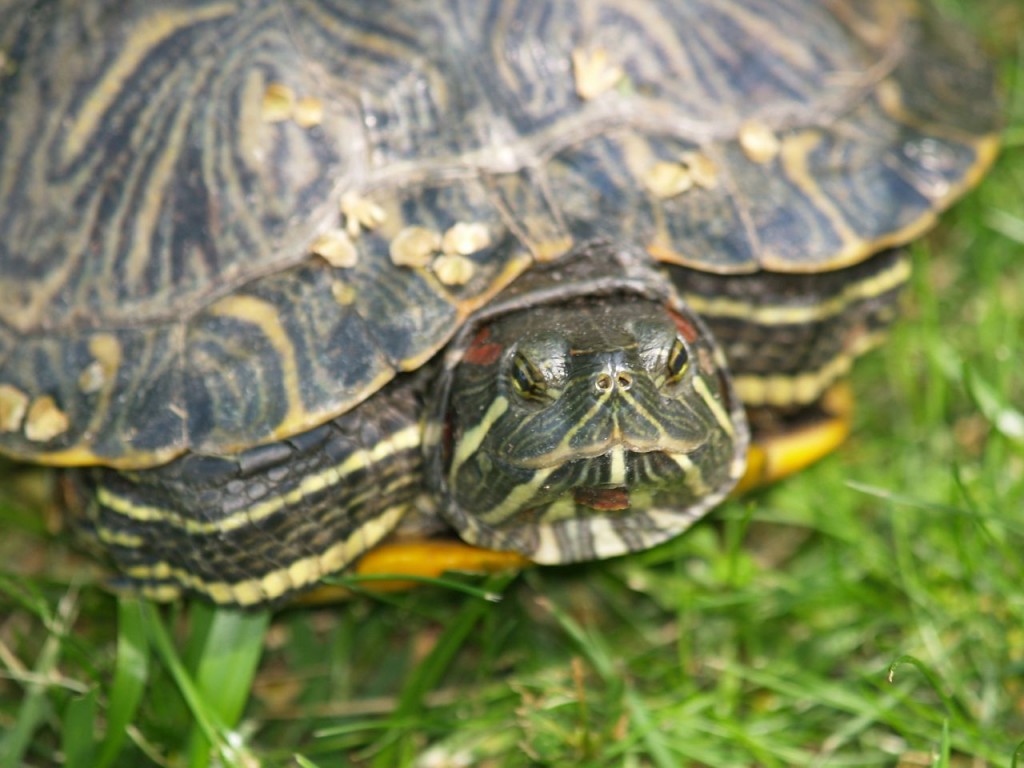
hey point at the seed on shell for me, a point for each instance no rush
(343, 293)
(336, 248)
(414, 246)
(667, 179)
(758, 142)
(13, 407)
(465, 238)
(308, 112)
(92, 378)
(594, 73)
(702, 169)
(45, 420)
(453, 269)
(360, 213)
(278, 103)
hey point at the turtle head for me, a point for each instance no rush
(585, 429)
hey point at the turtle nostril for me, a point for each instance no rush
(606, 382)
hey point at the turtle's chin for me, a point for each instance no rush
(577, 512)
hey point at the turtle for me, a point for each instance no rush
(288, 285)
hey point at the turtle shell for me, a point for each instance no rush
(224, 224)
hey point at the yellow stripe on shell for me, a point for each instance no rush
(403, 440)
(265, 316)
(136, 46)
(795, 150)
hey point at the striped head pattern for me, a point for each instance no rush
(587, 428)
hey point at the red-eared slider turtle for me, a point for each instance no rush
(275, 274)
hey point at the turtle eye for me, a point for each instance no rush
(527, 380)
(678, 359)
(538, 368)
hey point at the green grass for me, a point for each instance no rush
(867, 612)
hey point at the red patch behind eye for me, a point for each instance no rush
(481, 350)
(602, 499)
(684, 326)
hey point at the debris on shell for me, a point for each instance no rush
(758, 142)
(890, 96)
(343, 293)
(594, 73)
(465, 238)
(360, 213)
(417, 246)
(278, 103)
(13, 406)
(666, 179)
(106, 353)
(702, 169)
(549, 250)
(45, 420)
(453, 269)
(309, 112)
(92, 378)
(336, 248)
(414, 247)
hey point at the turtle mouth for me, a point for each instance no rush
(614, 448)
(602, 498)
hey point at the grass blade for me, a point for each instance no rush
(207, 719)
(130, 675)
(78, 733)
(231, 653)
